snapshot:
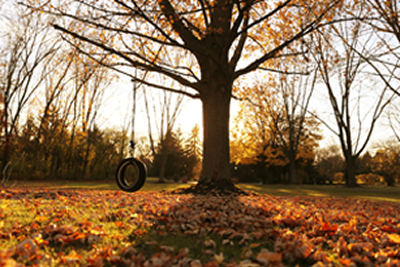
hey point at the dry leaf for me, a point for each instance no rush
(219, 257)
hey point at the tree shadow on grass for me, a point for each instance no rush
(216, 228)
(290, 230)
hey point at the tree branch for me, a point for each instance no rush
(134, 63)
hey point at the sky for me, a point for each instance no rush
(117, 109)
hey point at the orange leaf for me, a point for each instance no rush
(345, 262)
(271, 257)
(211, 264)
(119, 224)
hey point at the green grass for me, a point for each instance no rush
(150, 185)
(391, 194)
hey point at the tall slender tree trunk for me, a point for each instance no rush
(6, 152)
(292, 168)
(351, 171)
(163, 165)
(7, 138)
(85, 159)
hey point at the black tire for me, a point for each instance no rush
(131, 175)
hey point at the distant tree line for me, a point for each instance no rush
(382, 167)
(378, 168)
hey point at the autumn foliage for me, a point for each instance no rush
(109, 228)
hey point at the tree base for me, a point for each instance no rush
(215, 188)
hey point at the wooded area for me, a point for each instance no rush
(52, 86)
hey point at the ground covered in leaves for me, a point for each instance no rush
(112, 228)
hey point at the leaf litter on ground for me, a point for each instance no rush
(112, 228)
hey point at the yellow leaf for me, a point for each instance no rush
(254, 245)
(41, 219)
(394, 238)
(219, 258)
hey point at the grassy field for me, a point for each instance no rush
(391, 194)
(95, 224)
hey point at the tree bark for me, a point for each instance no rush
(292, 168)
(216, 171)
(6, 152)
(163, 165)
(351, 171)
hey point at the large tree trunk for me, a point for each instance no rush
(216, 172)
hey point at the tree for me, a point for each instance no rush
(93, 79)
(193, 153)
(180, 163)
(252, 142)
(384, 17)
(329, 163)
(394, 119)
(205, 46)
(272, 126)
(386, 162)
(26, 50)
(164, 118)
(285, 101)
(384, 20)
(340, 64)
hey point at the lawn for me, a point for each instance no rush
(380, 193)
(95, 224)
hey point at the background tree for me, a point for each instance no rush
(203, 45)
(194, 153)
(394, 119)
(23, 56)
(95, 78)
(263, 131)
(72, 95)
(252, 143)
(388, 16)
(292, 95)
(329, 164)
(49, 97)
(340, 65)
(180, 163)
(385, 163)
(383, 18)
(162, 116)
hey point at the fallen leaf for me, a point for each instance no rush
(394, 238)
(219, 257)
(210, 243)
